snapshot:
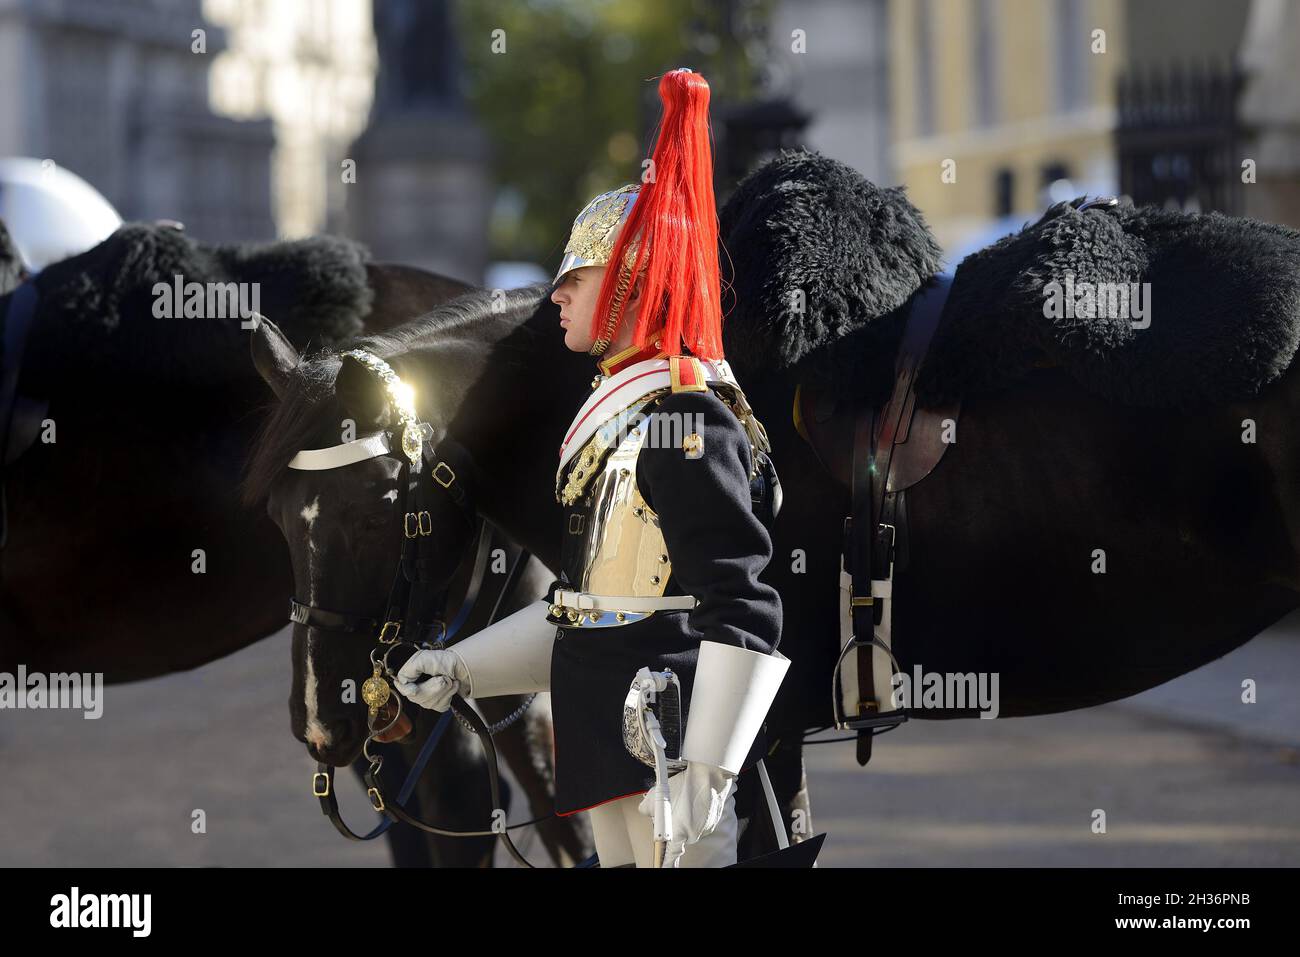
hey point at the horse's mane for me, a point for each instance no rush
(306, 415)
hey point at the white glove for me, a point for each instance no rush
(699, 795)
(450, 677)
(512, 656)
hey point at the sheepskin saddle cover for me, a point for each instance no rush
(100, 312)
(1143, 306)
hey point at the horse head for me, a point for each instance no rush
(344, 516)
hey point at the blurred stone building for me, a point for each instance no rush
(238, 131)
(307, 66)
(840, 79)
(114, 91)
(1227, 90)
(1180, 140)
(1270, 109)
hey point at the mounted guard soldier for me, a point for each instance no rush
(668, 494)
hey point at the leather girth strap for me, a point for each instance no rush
(875, 529)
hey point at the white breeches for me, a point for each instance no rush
(623, 835)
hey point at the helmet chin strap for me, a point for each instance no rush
(599, 347)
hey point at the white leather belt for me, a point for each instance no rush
(584, 601)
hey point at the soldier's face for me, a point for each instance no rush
(576, 297)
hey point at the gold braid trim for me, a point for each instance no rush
(615, 311)
(613, 432)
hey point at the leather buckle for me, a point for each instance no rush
(317, 779)
(450, 472)
(411, 525)
(877, 720)
(376, 799)
(425, 517)
(397, 630)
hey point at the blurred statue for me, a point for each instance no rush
(418, 61)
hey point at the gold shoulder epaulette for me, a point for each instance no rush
(687, 374)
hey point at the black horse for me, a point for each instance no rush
(154, 419)
(1081, 547)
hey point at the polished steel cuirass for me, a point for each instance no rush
(622, 550)
(614, 546)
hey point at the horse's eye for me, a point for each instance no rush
(375, 520)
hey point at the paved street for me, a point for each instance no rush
(1186, 775)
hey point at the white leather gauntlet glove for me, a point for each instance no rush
(512, 656)
(698, 795)
(450, 677)
(732, 692)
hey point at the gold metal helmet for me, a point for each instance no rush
(591, 241)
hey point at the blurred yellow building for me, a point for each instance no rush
(993, 100)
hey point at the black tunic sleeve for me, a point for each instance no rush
(718, 546)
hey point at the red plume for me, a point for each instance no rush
(675, 222)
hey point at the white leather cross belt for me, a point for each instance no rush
(575, 609)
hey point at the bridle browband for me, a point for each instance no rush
(414, 612)
(336, 456)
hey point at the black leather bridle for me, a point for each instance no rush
(414, 616)
(413, 608)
